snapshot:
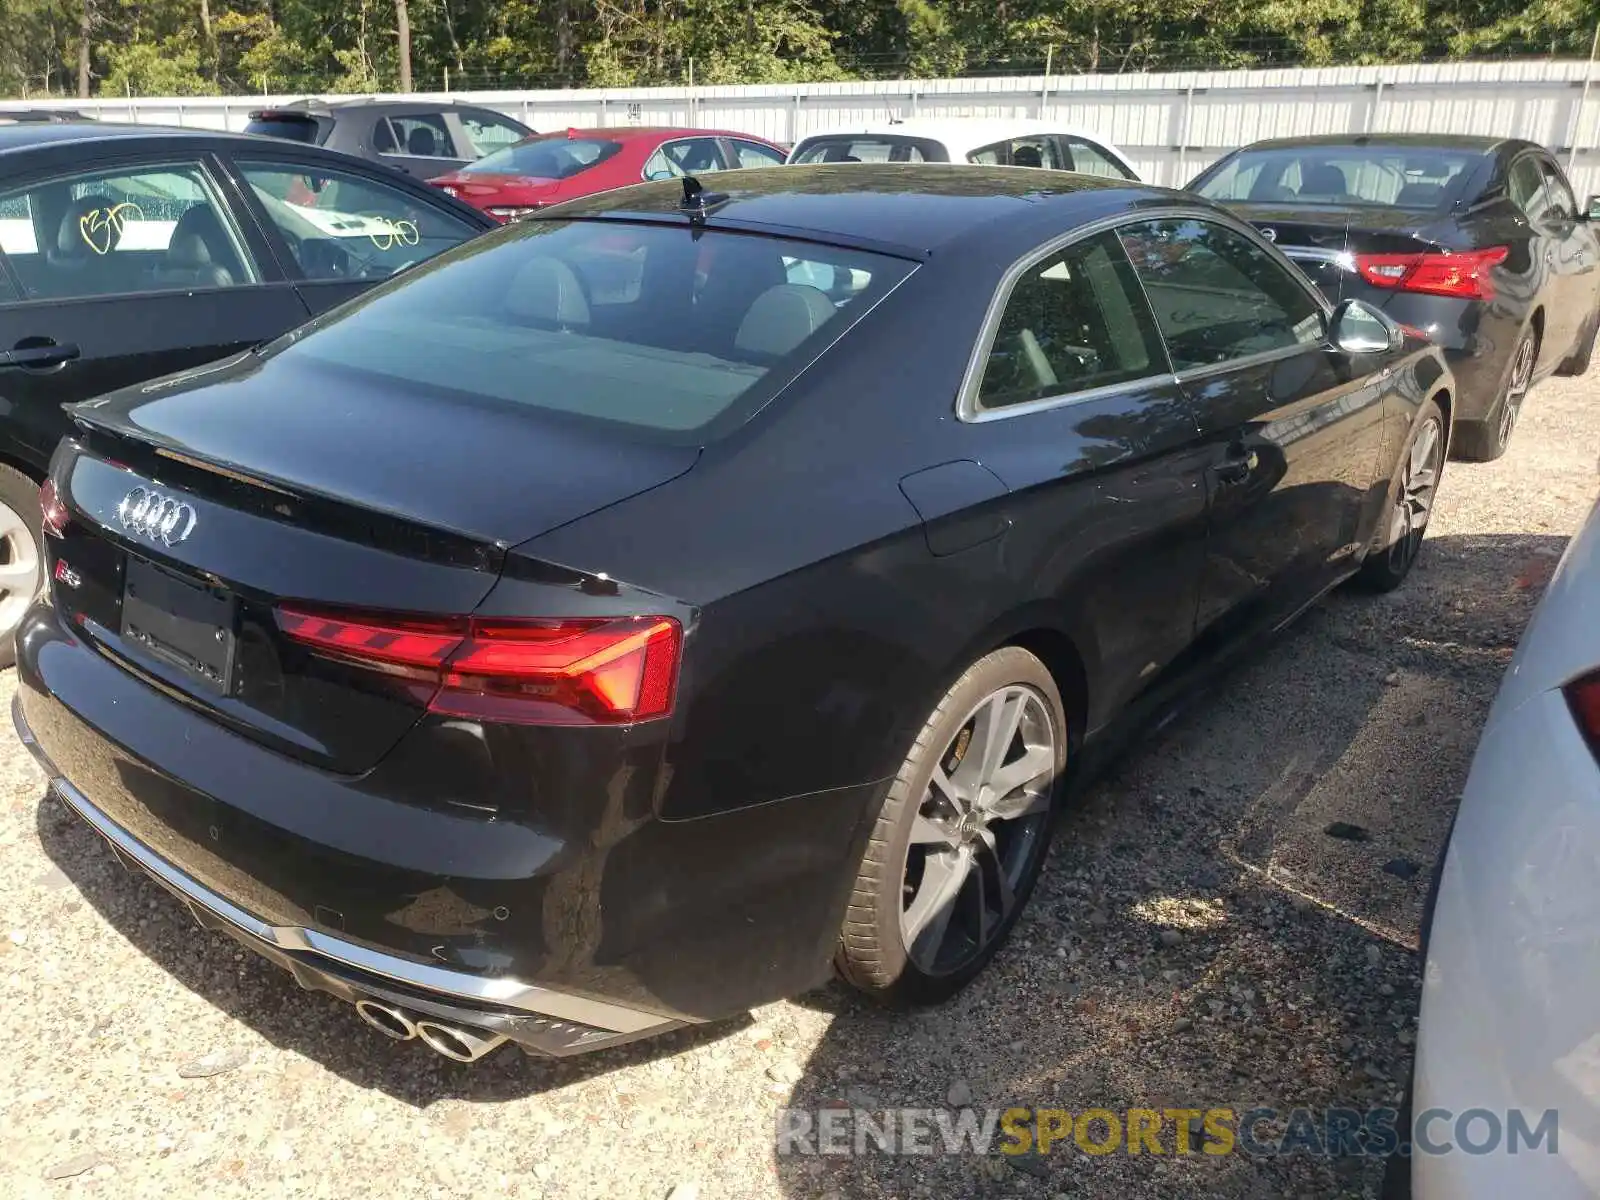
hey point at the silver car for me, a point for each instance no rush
(1509, 1039)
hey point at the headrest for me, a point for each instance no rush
(546, 290)
(1324, 179)
(188, 250)
(420, 141)
(91, 226)
(781, 318)
(1419, 195)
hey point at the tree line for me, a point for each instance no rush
(202, 47)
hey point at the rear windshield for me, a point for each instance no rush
(1399, 176)
(869, 148)
(663, 330)
(289, 128)
(546, 158)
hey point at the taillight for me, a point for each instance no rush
(1465, 275)
(579, 671)
(1583, 697)
(52, 510)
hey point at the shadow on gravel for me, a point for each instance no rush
(1291, 980)
(1288, 976)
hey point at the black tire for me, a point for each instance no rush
(872, 953)
(1486, 440)
(1390, 560)
(20, 517)
(1577, 363)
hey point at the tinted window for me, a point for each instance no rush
(1074, 321)
(686, 156)
(660, 329)
(1562, 201)
(488, 133)
(1020, 152)
(289, 128)
(865, 148)
(1398, 176)
(754, 154)
(340, 226)
(547, 158)
(1090, 159)
(1526, 186)
(110, 232)
(1217, 295)
(419, 135)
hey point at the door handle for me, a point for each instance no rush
(52, 355)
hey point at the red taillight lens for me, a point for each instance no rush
(1583, 696)
(54, 512)
(1465, 275)
(583, 671)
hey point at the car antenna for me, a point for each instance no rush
(697, 201)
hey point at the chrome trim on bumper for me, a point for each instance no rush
(293, 939)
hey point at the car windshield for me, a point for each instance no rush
(1398, 176)
(661, 330)
(867, 148)
(546, 158)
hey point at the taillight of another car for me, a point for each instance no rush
(1583, 697)
(1465, 275)
(578, 671)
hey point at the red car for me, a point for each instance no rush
(551, 167)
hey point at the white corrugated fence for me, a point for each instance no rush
(1170, 125)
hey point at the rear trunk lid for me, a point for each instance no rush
(289, 483)
(1323, 239)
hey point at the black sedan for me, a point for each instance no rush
(1477, 241)
(128, 252)
(621, 618)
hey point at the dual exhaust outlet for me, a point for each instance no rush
(452, 1041)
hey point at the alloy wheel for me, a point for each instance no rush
(1516, 388)
(978, 830)
(19, 569)
(1413, 501)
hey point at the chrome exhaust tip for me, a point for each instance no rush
(452, 1041)
(387, 1020)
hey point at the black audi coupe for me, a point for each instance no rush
(620, 619)
(1477, 241)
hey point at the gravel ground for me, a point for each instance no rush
(145, 1058)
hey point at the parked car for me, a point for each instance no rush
(984, 141)
(614, 622)
(1478, 241)
(127, 252)
(421, 137)
(553, 167)
(49, 116)
(1512, 957)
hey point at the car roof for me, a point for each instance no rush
(629, 133)
(315, 104)
(34, 133)
(904, 208)
(961, 135)
(1420, 141)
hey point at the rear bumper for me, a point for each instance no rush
(543, 1020)
(571, 920)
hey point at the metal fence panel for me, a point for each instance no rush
(1170, 125)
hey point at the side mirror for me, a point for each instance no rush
(1591, 210)
(1356, 327)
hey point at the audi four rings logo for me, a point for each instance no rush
(159, 518)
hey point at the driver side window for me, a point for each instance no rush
(340, 226)
(1217, 295)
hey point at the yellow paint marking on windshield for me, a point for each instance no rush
(101, 228)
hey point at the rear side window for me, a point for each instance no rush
(1218, 296)
(547, 158)
(869, 148)
(416, 135)
(103, 233)
(1074, 321)
(287, 127)
(667, 331)
(489, 133)
(685, 156)
(1021, 152)
(1090, 159)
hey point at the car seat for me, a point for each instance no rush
(198, 254)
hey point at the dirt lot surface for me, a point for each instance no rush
(145, 1058)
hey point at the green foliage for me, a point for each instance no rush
(187, 47)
